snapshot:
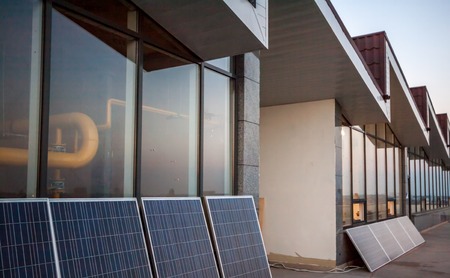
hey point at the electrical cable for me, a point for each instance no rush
(336, 270)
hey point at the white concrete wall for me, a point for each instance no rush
(298, 179)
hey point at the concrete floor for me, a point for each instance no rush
(431, 259)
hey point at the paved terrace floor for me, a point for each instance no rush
(431, 259)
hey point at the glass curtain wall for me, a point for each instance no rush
(430, 189)
(372, 178)
(20, 73)
(126, 109)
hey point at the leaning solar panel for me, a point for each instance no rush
(237, 236)
(100, 237)
(179, 238)
(26, 245)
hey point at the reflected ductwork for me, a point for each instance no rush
(85, 153)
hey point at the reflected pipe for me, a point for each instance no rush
(83, 124)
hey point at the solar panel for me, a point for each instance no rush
(179, 238)
(368, 247)
(99, 237)
(400, 234)
(26, 245)
(412, 231)
(237, 236)
(386, 240)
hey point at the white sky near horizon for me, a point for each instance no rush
(419, 33)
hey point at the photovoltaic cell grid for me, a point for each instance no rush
(387, 240)
(26, 245)
(102, 237)
(382, 242)
(179, 238)
(368, 247)
(237, 236)
(416, 237)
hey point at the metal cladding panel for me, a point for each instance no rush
(237, 237)
(421, 98)
(100, 238)
(443, 124)
(368, 247)
(179, 238)
(387, 240)
(373, 49)
(400, 234)
(26, 244)
(411, 230)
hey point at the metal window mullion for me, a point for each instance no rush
(201, 130)
(45, 101)
(138, 118)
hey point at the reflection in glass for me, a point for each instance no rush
(413, 193)
(120, 12)
(223, 63)
(399, 172)
(346, 177)
(390, 170)
(91, 129)
(20, 63)
(358, 212)
(381, 178)
(169, 126)
(371, 178)
(358, 165)
(217, 165)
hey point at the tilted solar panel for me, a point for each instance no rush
(26, 245)
(387, 240)
(411, 230)
(368, 247)
(179, 238)
(237, 236)
(100, 237)
(400, 234)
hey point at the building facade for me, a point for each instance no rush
(344, 140)
(100, 100)
(145, 98)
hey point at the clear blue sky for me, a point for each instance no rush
(419, 32)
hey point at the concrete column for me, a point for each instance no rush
(247, 131)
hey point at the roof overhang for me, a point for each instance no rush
(312, 57)
(438, 146)
(212, 29)
(406, 121)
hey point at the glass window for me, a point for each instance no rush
(169, 159)
(91, 128)
(358, 175)
(20, 64)
(381, 179)
(346, 177)
(398, 181)
(413, 193)
(390, 174)
(427, 185)
(423, 187)
(222, 63)
(371, 178)
(217, 134)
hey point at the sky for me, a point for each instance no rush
(419, 33)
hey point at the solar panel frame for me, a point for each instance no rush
(368, 247)
(38, 245)
(169, 219)
(258, 243)
(95, 235)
